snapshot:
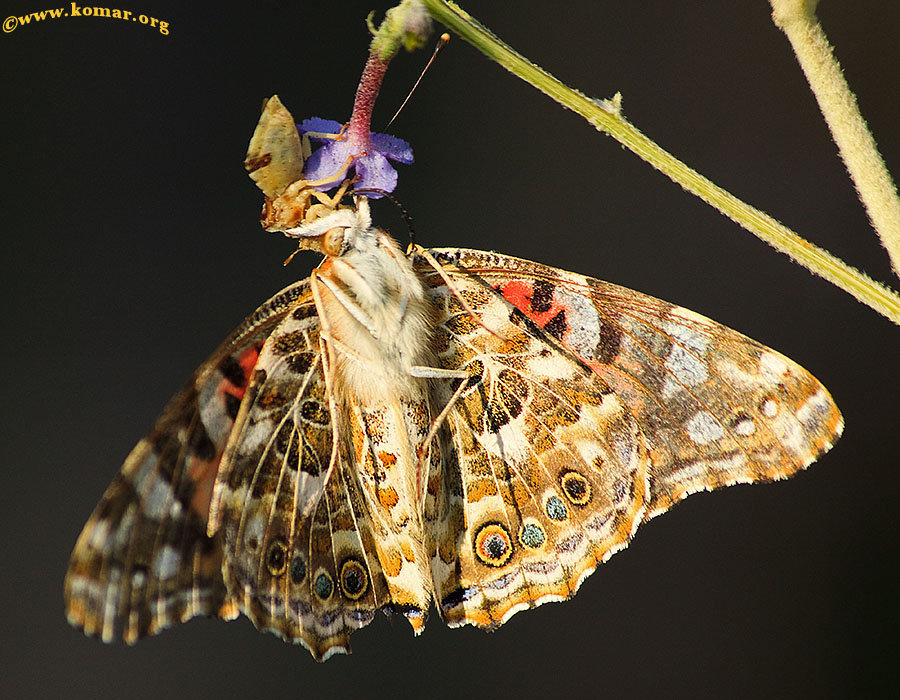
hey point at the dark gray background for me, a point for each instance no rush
(131, 248)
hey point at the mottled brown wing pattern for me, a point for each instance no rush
(547, 470)
(315, 471)
(299, 546)
(383, 449)
(716, 408)
(144, 560)
(539, 486)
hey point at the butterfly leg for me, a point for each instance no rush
(328, 363)
(429, 258)
(348, 304)
(327, 204)
(306, 146)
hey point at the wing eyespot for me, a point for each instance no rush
(276, 558)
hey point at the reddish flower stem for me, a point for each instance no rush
(360, 126)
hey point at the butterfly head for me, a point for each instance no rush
(337, 232)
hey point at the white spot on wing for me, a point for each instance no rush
(256, 434)
(254, 530)
(212, 412)
(551, 366)
(166, 563)
(730, 463)
(158, 501)
(685, 335)
(589, 450)
(773, 367)
(685, 356)
(582, 320)
(510, 443)
(99, 535)
(146, 471)
(686, 368)
(704, 428)
(814, 410)
(745, 427)
(790, 434)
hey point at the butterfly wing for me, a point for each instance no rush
(713, 408)
(546, 469)
(717, 408)
(144, 560)
(299, 548)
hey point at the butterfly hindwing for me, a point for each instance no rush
(144, 560)
(299, 546)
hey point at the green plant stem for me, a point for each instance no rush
(797, 19)
(605, 116)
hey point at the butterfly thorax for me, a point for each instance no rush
(375, 309)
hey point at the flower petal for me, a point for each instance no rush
(322, 126)
(326, 163)
(372, 170)
(393, 148)
(375, 171)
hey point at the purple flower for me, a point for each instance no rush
(371, 169)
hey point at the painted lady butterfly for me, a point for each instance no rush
(448, 425)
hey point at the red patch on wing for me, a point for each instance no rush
(520, 293)
(203, 472)
(247, 361)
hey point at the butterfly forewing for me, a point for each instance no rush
(716, 407)
(144, 560)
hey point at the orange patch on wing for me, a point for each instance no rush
(388, 459)
(408, 554)
(480, 489)
(391, 562)
(388, 497)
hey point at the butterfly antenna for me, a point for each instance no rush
(442, 42)
(407, 219)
